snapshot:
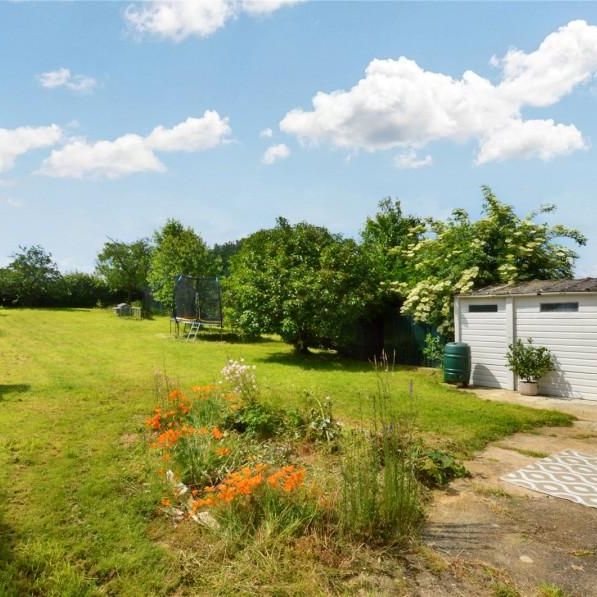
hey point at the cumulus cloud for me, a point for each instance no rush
(274, 153)
(133, 153)
(398, 104)
(64, 78)
(266, 133)
(16, 142)
(410, 161)
(530, 138)
(179, 19)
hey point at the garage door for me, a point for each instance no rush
(568, 327)
(483, 327)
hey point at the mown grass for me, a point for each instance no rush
(77, 496)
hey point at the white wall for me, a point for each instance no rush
(486, 333)
(571, 336)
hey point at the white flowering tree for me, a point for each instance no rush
(443, 259)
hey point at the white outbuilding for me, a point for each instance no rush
(558, 314)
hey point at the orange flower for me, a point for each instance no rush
(216, 433)
(204, 392)
(223, 451)
(174, 394)
(168, 439)
(166, 502)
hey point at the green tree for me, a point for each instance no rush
(460, 255)
(80, 289)
(220, 256)
(301, 282)
(9, 285)
(386, 235)
(125, 266)
(178, 250)
(35, 276)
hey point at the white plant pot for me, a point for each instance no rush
(528, 388)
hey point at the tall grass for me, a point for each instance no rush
(381, 500)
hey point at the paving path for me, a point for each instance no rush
(493, 534)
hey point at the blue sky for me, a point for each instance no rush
(92, 93)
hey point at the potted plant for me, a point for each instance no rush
(530, 363)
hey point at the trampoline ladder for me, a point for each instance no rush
(195, 327)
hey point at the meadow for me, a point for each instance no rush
(78, 501)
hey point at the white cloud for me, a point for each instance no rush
(194, 134)
(274, 153)
(264, 7)
(400, 105)
(530, 138)
(104, 159)
(179, 19)
(133, 153)
(16, 142)
(64, 78)
(10, 202)
(410, 161)
(266, 133)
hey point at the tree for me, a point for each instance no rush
(178, 250)
(301, 282)
(220, 256)
(80, 289)
(35, 276)
(125, 266)
(459, 255)
(387, 235)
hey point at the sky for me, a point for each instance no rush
(226, 114)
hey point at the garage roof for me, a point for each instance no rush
(539, 287)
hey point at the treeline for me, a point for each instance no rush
(312, 286)
(124, 271)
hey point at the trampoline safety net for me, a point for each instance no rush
(198, 299)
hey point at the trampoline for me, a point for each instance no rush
(197, 303)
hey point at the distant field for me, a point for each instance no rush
(75, 388)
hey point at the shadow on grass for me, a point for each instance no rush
(13, 389)
(27, 308)
(226, 336)
(323, 361)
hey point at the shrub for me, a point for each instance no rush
(528, 361)
(257, 420)
(433, 351)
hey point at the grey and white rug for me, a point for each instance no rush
(568, 475)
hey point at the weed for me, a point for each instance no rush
(493, 492)
(525, 452)
(436, 468)
(380, 492)
(501, 589)
(550, 590)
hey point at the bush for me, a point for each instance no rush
(257, 420)
(433, 351)
(528, 361)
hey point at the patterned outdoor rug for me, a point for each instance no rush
(568, 475)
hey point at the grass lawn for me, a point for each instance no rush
(77, 501)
